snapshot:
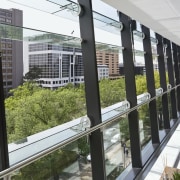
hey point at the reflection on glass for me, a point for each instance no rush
(51, 62)
(111, 91)
(107, 23)
(141, 84)
(169, 103)
(70, 10)
(117, 147)
(29, 146)
(143, 98)
(32, 35)
(138, 35)
(139, 63)
(159, 91)
(160, 113)
(69, 162)
(144, 125)
(154, 43)
(63, 8)
(111, 83)
(115, 110)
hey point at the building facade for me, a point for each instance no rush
(59, 65)
(111, 59)
(12, 50)
(103, 72)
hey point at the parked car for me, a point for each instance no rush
(88, 158)
(110, 131)
(115, 138)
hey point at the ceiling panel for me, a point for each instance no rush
(171, 24)
(162, 16)
(153, 8)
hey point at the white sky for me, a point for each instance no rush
(36, 19)
(40, 20)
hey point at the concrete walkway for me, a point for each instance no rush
(168, 157)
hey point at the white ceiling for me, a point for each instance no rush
(162, 16)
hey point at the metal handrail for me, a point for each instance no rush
(39, 155)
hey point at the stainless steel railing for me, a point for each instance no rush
(85, 132)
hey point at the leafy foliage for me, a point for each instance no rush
(176, 175)
(48, 167)
(33, 74)
(32, 109)
(141, 84)
(111, 91)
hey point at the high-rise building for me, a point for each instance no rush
(111, 59)
(12, 50)
(58, 65)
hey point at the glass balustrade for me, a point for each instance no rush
(116, 147)
(49, 114)
(77, 154)
(144, 125)
(169, 106)
(160, 113)
(69, 162)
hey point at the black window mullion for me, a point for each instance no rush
(163, 83)
(92, 89)
(150, 84)
(126, 38)
(4, 156)
(171, 79)
(176, 70)
(178, 58)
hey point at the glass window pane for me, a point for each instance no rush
(117, 147)
(69, 162)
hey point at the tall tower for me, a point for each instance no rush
(111, 59)
(12, 50)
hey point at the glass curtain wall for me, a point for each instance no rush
(167, 77)
(141, 85)
(51, 92)
(159, 90)
(112, 89)
(46, 111)
(68, 162)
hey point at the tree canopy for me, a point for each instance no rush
(33, 74)
(32, 109)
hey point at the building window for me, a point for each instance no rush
(2, 19)
(9, 21)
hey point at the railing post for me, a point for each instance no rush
(126, 38)
(4, 157)
(171, 79)
(150, 85)
(92, 89)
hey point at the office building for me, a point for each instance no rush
(111, 59)
(103, 72)
(12, 50)
(59, 64)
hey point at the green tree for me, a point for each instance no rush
(33, 74)
(111, 91)
(32, 109)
